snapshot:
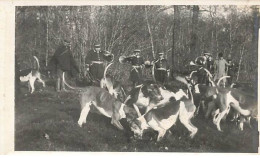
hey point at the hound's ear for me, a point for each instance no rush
(173, 99)
(157, 85)
(115, 85)
(145, 91)
(131, 113)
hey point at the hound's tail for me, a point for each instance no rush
(210, 76)
(105, 72)
(232, 85)
(191, 95)
(222, 79)
(191, 74)
(71, 87)
(38, 65)
(183, 80)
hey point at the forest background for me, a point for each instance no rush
(181, 32)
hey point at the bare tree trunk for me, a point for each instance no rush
(230, 39)
(39, 31)
(47, 38)
(240, 61)
(194, 36)
(256, 23)
(150, 32)
(175, 32)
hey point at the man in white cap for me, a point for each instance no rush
(161, 69)
(95, 62)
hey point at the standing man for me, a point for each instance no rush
(203, 62)
(63, 61)
(210, 64)
(161, 69)
(137, 64)
(96, 61)
(230, 70)
(210, 67)
(220, 65)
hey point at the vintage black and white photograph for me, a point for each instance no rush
(136, 78)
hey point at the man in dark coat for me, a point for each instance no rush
(210, 64)
(137, 64)
(231, 69)
(203, 62)
(63, 61)
(96, 60)
(210, 67)
(161, 69)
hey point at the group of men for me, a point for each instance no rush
(96, 61)
(218, 68)
(160, 69)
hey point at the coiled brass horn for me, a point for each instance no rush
(122, 59)
(110, 56)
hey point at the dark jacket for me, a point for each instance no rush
(161, 63)
(230, 69)
(136, 72)
(210, 66)
(63, 60)
(94, 56)
(135, 61)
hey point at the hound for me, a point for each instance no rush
(113, 86)
(245, 104)
(202, 94)
(164, 117)
(97, 99)
(142, 96)
(31, 75)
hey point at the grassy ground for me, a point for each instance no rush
(47, 121)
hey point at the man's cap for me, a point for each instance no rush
(97, 45)
(137, 50)
(207, 54)
(161, 53)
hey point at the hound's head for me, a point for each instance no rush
(136, 127)
(24, 78)
(152, 91)
(133, 120)
(119, 93)
(131, 114)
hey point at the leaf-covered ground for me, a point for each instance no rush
(47, 121)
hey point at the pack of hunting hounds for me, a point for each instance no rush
(150, 105)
